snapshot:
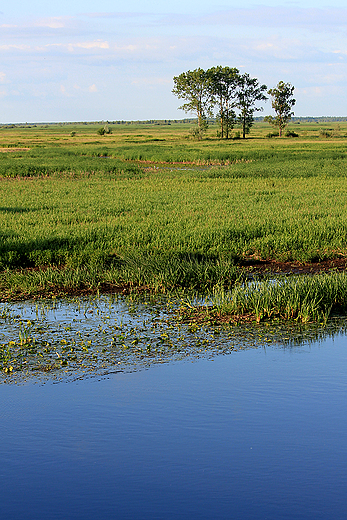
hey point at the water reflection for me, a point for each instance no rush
(70, 339)
(248, 435)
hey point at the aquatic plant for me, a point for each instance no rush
(82, 337)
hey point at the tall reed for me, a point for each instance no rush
(302, 298)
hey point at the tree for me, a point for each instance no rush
(223, 84)
(104, 130)
(194, 87)
(282, 103)
(248, 94)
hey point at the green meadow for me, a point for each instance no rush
(147, 208)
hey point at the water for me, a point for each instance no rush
(254, 433)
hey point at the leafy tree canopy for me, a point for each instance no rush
(282, 103)
(224, 83)
(249, 93)
(224, 88)
(194, 86)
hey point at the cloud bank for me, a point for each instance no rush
(119, 65)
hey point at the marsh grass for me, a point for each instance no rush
(49, 161)
(197, 220)
(82, 213)
(157, 275)
(301, 298)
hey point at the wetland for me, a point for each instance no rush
(173, 322)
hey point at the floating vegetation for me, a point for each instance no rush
(64, 340)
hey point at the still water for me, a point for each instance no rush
(255, 433)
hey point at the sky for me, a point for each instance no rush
(87, 60)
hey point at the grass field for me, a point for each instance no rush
(146, 206)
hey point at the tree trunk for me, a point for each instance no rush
(200, 125)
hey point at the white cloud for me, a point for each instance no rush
(9, 47)
(57, 22)
(86, 45)
(130, 48)
(92, 88)
(98, 44)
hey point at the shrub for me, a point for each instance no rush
(324, 133)
(104, 130)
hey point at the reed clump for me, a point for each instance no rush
(302, 298)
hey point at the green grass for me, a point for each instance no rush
(54, 160)
(82, 213)
(301, 298)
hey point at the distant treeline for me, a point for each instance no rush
(309, 119)
(259, 119)
(89, 123)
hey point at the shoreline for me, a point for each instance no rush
(250, 269)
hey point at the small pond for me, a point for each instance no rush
(118, 411)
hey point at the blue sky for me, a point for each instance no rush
(88, 60)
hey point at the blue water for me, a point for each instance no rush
(255, 434)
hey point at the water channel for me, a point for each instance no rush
(233, 423)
